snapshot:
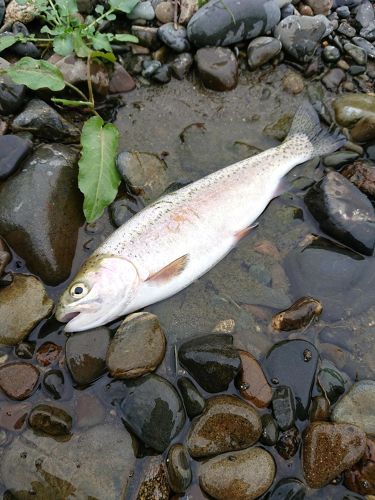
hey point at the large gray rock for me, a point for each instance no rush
(225, 23)
(40, 211)
(22, 305)
(95, 464)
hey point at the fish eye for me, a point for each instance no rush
(78, 290)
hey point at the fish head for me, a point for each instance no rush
(98, 294)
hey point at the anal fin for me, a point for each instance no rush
(170, 271)
(244, 232)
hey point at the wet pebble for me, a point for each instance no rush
(164, 11)
(54, 383)
(12, 95)
(361, 477)
(13, 150)
(300, 35)
(163, 74)
(301, 357)
(181, 65)
(193, 400)
(85, 354)
(25, 350)
(365, 45)
(225, 24)
(346, 30)
(331, 54)
(343, 11)
(288, 443)
(50, 420)
(356, 112)
(270, 431)
(333, 78)
(362, 174)
(211, 360)
(143, 10)
(262, 50)
(23, 304)
(331, 381)
(293, 83)
(287, 489)
(329, 449)
(44, 122)
(176, 39)
(122, 209)
(226, 424)
(238, 475)
(365, 14)
(18, 380)
(150, 403)
(154, 483)
(150, 67)
(252, 382)
(120, 81)
(298, 315)
(320, 6)
(343, 212)
(13, 416)
(357, 406)
(369, 32)
(339, 158)
(356, 53)
(89, 411)
(48, 353)
(138, 346)
(217, 68)
(283, 407)
(179, 470)
(147, 36)
(319, 409)
(145, 174)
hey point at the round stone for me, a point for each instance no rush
(252, 382)
(178, 466)
(18, 380)
(331, 54)
(50, 420)
(262, 50)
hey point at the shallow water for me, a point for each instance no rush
(197, 131)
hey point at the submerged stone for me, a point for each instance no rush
(50, 420)
(288, 489)
(343, 212)
(18, 380)
(46, 187)
(179, 470)
(298, 315)
(218, 23)
(252, 382)
(193, 400)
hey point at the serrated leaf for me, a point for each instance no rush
(7, 41)
(109, 56)
(123, 5)
(100, 42)
(126, 38)
(98, 178)
(36, 74)
(63, 44)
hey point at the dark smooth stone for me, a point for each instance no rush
(181, 65)
(50, 420)
(24, 49)
(47, 241)
(175, 39)
(13, 150)
(261, 50)
(343, 212)
(150, 67)
(343, 12)
(346, 30)
(287, 489)
(2, 10)
(193, 400)
(331, 381)
(12, 96)
(153, 410)
(123, 209)
(343, 280)
(163, 74)
(331, 54)
(211, 360)
(218, 23)
(147, 36)
(217, 68)
(288, 443)
(270, 432)
(179, 470)
(85, 354)
(25, 350)
(53, 381)
(298, 315)
(44, 122)
(365, 45)
(283, 407)
(293, 363)
(333, 78)
(356, 53)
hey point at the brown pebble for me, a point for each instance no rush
(342, 65)
(48, 353)
(329, 449)
(155, 485)
(305, 10)
(288, 443)
(266, 247)
(252, 382)
(361, 477)
(298, 315)
(319, 409)
(293, 83)
(362, 174)
(18, 380)
(164, 12)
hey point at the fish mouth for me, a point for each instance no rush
(68, 316)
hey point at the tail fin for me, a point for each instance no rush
(307, 137)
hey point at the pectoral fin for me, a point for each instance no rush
(244, 232)
(170, 271)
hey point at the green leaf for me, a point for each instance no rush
(63, 44)
(36, 74)
(99, 9)
(98, 178)
(109, 56)
(66, 7)
(80, 48)
(7, 41)
(100, 42)
(110, 16)
(126, 38)
(123, 5)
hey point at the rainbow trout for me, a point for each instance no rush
(178, 238)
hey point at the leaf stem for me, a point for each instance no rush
(97, 21)
(71, 102)
(55, 11)
(89, 82)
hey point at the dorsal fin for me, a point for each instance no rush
(170, 271)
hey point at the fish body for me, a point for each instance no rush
(178, 238)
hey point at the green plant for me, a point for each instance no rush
(98, 178)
